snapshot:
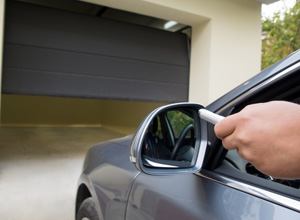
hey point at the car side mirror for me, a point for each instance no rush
(170, 137)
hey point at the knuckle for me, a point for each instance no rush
(246, 154)
(228, 144)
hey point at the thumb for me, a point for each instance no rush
(226, 127)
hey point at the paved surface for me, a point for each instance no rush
(39, 169)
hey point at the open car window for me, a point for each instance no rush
(232, 165)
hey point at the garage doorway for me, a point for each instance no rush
(73, 78)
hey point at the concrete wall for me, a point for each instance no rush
(226, 44)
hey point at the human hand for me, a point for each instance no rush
(267, 135)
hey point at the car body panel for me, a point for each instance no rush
(186, 196)
(121, 191)
(109, 175)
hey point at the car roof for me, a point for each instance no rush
(254, 81)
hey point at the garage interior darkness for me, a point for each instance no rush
(64, 90)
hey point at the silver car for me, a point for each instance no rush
(174, 167)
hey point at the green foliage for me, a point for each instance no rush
(282, 35)
(179, 121)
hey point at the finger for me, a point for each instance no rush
(229, 143)
(226, 126)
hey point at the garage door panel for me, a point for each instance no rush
(67, 62)
(45, 59)
(65, 84)
(58, 53)
(75, 32)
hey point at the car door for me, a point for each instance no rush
(226, 187)
(190, 196)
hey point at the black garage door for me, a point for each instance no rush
(59, 53)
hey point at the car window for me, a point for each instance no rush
(171, 136)
(287, 89)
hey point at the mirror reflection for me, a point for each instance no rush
(171, 138)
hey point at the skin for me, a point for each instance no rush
(267, 135)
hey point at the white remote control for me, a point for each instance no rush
(210, 116)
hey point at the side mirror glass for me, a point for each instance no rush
(171, 137)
